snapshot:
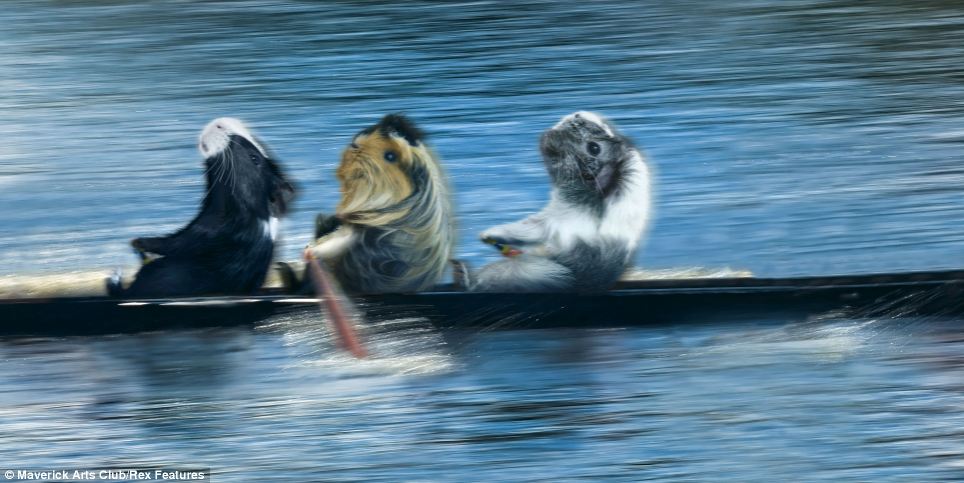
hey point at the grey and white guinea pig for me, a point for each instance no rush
(588, 233)
(587, 157)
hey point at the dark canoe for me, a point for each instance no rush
(629, 303)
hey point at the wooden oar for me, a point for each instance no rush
(330, 301)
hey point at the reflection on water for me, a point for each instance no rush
(830, 399)
(801, 137)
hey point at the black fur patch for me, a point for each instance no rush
(398, 124)
(325, 224)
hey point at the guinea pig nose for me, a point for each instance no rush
(204, 147)
(354, 146)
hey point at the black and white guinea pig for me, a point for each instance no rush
(228, 247)
(586, 236)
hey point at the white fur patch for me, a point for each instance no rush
(568, 224)
(270, 227)
(628, 214)
(216, 136)
(591, 117)
(625, 218)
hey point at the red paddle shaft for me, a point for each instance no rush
(329, 301)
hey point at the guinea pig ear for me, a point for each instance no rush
(605, 178)
(282, 193)
(282, 196)
(401, 126)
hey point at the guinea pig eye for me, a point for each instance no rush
(254, 159)
(593, 148)
(390, 156)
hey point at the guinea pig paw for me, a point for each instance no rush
(490, 239)
(142, 251)
(139, 249)
(325, 224)
(510, 252)
(461, 278)
(114, 284)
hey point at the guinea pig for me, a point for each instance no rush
(586, 236)
(227, 248)
(393, 230)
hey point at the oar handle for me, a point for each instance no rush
(329, 301)
(505, 249)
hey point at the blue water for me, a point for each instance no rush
(787, 138)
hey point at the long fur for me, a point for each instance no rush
(587, 234)
(397, 229)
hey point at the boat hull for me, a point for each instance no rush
(657, 302)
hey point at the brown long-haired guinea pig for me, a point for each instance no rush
(393, 230)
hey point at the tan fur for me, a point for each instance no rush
(397, 216)
(368, 182)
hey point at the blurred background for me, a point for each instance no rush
(787, 138)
